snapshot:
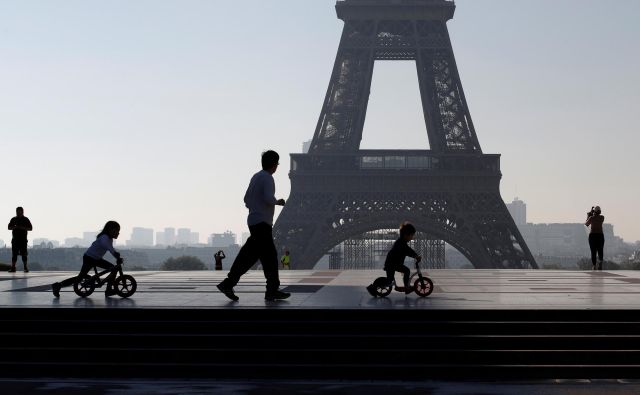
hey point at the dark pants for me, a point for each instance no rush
(88, 264)
(258, 246)
(18, 247)
(406, 272)
(596, 244)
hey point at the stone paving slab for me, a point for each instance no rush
(454, 289)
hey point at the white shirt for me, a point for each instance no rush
(260, 199)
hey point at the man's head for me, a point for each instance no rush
(597, 209)
(270, 161)
(19, 211)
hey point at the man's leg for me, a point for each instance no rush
(24, 254)
(600, 249)
(268, 257)
(593, 248)
(247, 257)
(14, 256)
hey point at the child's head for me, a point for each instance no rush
(286, 252)
(407, 231)
(111, 229)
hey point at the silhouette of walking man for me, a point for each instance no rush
(19, 226)
(260, 200)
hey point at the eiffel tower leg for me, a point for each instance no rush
(299, 226)
(493, 228)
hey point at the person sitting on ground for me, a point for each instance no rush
(93, 257)
(395, 258)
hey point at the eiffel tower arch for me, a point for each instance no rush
(451, 191)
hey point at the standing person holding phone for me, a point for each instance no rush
(595, 219)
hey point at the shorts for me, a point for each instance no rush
(19, 247)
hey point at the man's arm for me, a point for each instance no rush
(269, 191)
(12, 224)
(29, 226)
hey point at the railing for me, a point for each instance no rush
(371, 160)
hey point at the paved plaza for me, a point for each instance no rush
(454, 289)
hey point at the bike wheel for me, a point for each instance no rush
(125, 286)
(423, 286)
(84, 287)
(382, 286)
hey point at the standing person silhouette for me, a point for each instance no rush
(286, 260)
(218, 257)
(260, 200)
(595, 219)
(94, 257)
(19, 226)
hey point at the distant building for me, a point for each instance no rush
(88, 238)
(245, 236)
(305, 146)
(74, 242)
(195, 238)
(169, 238)
(222, 239)
(2, 244)
(518, 210)
(565, 239)
(141, 237)
(183, 237)
(45, 243)
(160, 238)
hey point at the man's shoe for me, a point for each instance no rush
(110, 292)
(56, 289)
(26, 270)
(372, 290)
(408, 290)
(228, 292)
(276, 295)
(12, 270)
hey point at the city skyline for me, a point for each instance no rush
(138, 116)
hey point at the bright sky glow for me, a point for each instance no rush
(154, 113)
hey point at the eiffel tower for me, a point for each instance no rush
(450, 192)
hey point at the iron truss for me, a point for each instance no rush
(369, 250)
(451, 192)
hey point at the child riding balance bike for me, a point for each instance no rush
(382, 286)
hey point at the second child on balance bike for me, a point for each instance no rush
(395, 259)
(93, 257)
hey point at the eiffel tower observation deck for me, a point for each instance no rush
(450, 192)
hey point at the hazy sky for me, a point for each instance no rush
(154, 113)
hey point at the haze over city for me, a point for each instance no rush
(154, 113)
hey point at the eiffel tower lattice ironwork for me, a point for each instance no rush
(451, 191)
